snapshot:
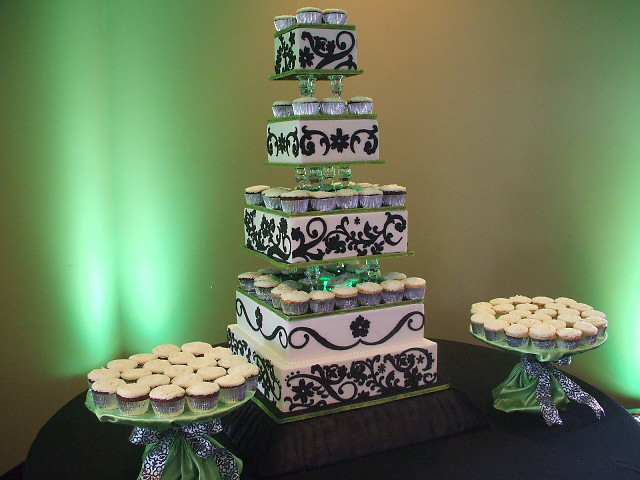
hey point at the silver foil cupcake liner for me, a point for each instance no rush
(323, 204)
(133, 408)
(168, 409)
(369, 299)
(280, 111)
(333, 108)
(494, 336)
(347, 202)
(589, 340)
(516, 342)
(309, 17)
(105, 401)
(477, 329)
(274, 203)
(370, 201)
(543, 344)
(392, 297)
(335, 18)
(360, 108)
(568, 344)
(282, 23)
(246, 284)
(264, 293)
(295, 206)
(252, 383)
(414, 293)
(276, 302)
(306, 108)
(202, 404)
(396, 200)
(233, 394)
(254, 198)
(351, 302)
(289, 308)
(324, 306)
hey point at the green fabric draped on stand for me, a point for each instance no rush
(518, 393)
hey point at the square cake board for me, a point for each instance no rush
(271, 443)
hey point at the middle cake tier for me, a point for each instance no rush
(321, 236)
(305, 337)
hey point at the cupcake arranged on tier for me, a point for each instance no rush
(167, 400)
(104, 393)
(203, 397)
(133, 398)
(233, 388)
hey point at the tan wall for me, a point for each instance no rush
(510, 122)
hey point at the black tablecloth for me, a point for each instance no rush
(75, 445)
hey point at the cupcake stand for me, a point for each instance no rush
(180, 447)
(536, 385)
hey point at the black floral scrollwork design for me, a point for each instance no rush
(308, 146)
(285, 56)
(371, 145)
(271, 386)
(269, 237)
(339, 141)
(282, 143)
(329, 51)
(369, 239)
(360, 327)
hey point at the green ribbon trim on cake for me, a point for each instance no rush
(327, 26)
(327, 262)
(350, 163)
(318, 74)
(316, 213)
(352, 406)
(344, 116)
(336, 311)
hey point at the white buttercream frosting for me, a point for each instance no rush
(167, 392)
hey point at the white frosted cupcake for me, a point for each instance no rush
(521, 313)
(360, 105)
(593, 313)
(548, 311)
(142, 358)
(282, 108)
(529, 322)
(600, 323)
(104, 393)
(397, 276)
(250, 373)
(333, 106)
(196, 348)
(414, 288)
(322, 201)
(306, 106)
(569, 338)
(232, 361)
(569, 302)
(203, 397)
(555, 323)
(157, 366)
(478, 320)
(393, 195)
(555, 306)
(246, 280)
(134, 374)
(589, 332)
(186, 380)
(519, 299)
(264, 287)
(233, 388)
(370, 197)
(516, 335)
(334, 16)
(392, 291)
(369, 293)
(309, 15)
(180, 358)
(273, 197)
(101, 374)
(295, 201)
(122, 364)
(284, 21)
(569, 319)
(276, 295)
(209, 374)
(347, 198)
(503, 308)
(173, 371)
(541, 301)
(582, 307)
(511, 318)
(568, 311)
(133, 398)
(321, 301)
(163, 351)
(543, 336)
(219, 352)
(494, 330)
(527, 306)
(346, 297)
(167, 400)
(541, 316)
(202, 362)
(295, 302)
(154, 380)
(253, 194)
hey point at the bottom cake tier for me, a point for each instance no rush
(301, 387)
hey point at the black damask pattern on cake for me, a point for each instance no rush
(285, 56)
(372, 377)
(282, 143)
(299, 337)
(328, 51)
(339, 141)
(369, 239)
(270, 238)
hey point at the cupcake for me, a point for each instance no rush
(527, 306)
(157, 366)
(494, 330)
(569, 319)
(133, 398)
(333, 106)
(309, 15)
(209, 374)
(568, 311)
(200, 362)
(284, 21)
(600, 323)
(503, 308)
(233, 388)
(521, 313)
(295, 302)
(334, 16)
(186, 380)
(273, 197)
(346, 297)
(414, 288)
(104, 393)
(360, 105)
(122, 364)
(516, 335)
(569, 302)
(231, 361)
(180, 358)
(253, 194)
(101, 374)
(511, 318)
(543, 336)
(246, 280)
(555, 306)
(589, 332)
(541, 301)
(370, 197)
(196, 348)
(264, 287)
(142, 358)
(541, 316)
(369, 293)
(548, 311)
(154, 380)
(519, 299)
(219, 352)
(282, 108)
(295, 201)
(167, 400)
(250, 373)
(478, 320)
(347, 198)
(593, 313)
(203, 397)
(321, 301)
(529, 322)
(134, 374)
(582, 307)
(392, 291)
(569, 338)
(177, 370)
(306, 106)
(393, 195)
(402, 276)
(499, 300)
(555, 323)
(276, 295)
(163, 351)
(322, 201)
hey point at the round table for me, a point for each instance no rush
(74, 445)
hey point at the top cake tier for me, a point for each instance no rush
(319, 49)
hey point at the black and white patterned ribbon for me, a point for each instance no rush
(544, 371)
(156, 459)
